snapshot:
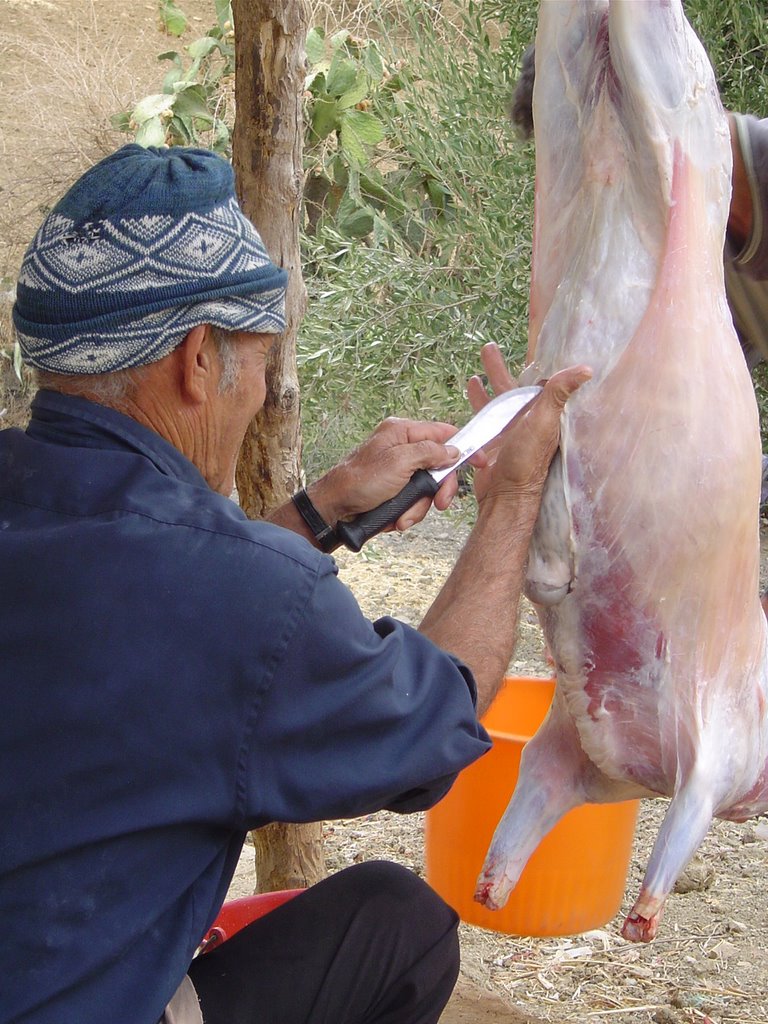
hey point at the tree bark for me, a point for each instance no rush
(267, 156)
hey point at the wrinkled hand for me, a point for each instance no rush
(519, 459)
(382, 465)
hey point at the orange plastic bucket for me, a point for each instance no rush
(576, 877)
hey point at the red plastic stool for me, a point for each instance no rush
(236, 914)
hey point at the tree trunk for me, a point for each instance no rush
(267, 155)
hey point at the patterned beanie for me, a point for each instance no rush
(148, 244)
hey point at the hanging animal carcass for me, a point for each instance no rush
(645, 559)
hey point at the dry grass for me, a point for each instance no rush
(358, 16)
(372, 19)
(61, 79)
(64, 71)
(15, 394)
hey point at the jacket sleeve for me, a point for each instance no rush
(358, 716)
(752, 259)
(746, 267)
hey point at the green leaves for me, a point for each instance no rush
(348, 83)
(354, 219)
(355, 94)
(191, 108)
(373, 64)
(18, 361)
(173, 20)
(151, 106)
(422, 253)
(342, 76)
(200, 48)
(151, 133)
(315, 47)
(224, 18)
(324, 117)
(734, 32)
(359, 130)
(191, 102)
(148, 117)
(339, 82)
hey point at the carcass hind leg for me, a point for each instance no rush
(685, 825)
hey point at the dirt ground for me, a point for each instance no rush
(65, 65)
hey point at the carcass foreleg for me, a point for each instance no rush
(552, 772)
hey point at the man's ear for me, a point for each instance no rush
(197, 364)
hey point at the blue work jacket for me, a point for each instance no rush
(173, 675)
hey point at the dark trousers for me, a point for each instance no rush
(372, 944)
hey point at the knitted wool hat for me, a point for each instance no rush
(146, 245)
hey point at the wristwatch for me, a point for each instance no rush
(324, 534)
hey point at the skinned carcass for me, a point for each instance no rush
(645, 559)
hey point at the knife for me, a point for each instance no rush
(481, 429)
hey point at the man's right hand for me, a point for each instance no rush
(383, 464)
(377, 470)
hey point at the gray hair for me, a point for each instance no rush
(106, 388)
(120, 386)
(230, 360)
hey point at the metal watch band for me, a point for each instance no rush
(324, 534)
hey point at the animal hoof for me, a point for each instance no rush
(640, 929)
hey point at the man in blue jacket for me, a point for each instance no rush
(174, 675)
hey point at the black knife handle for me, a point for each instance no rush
(354, 533)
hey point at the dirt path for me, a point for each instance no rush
(471, 1005)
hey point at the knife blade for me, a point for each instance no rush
(482, 428)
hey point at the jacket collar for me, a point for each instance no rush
(78, 423)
